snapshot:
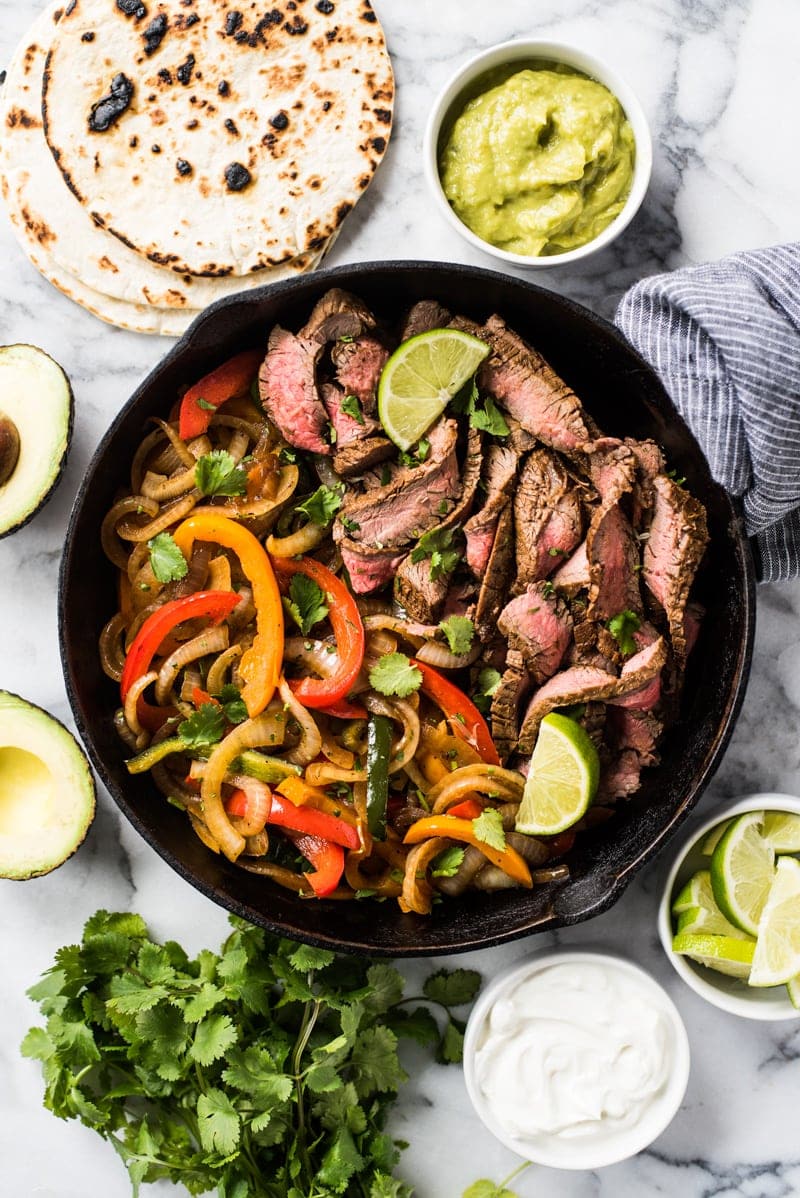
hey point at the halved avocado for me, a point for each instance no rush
(36, 415)
(47, 792)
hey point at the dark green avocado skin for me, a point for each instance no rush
(26, 519)
(89, 776)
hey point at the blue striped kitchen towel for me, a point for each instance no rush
(725, 340)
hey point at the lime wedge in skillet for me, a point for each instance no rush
(421, 377)
(720, 953)
(742, 870)
(777, 958)
(562, 780)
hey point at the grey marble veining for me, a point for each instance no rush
(718, 81)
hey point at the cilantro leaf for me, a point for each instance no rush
(418, 1025)
(452, 987)
(351, 407)
(323, 505)
(216, 473)
(459, 632)
(451, 1049)
(306, 957)
(489, 419)
(305, 603)
(218, 1122)
(341, 1162)
(203, 728)
(488, 827)
(622, 626)
(166, 560)
(214, 1036)
(488, 684)
(488, 1189)
(393, 674)
(233, 705)
(447, 864)
(374, 1062)
(438, 545)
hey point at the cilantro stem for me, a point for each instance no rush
(514, 1174)
(310, 1015)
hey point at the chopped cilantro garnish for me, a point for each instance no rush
(438, 546)
(488, 827)
(205, 405)
(459, 632)
(323, 505)
(216, 473)
(166, 560)
(305, 603)
(203, 728)
(622, 626)
(488, 682)
(351, 407)
(233, 704)
(393, 674)
(446, 865)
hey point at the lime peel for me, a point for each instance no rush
(742, 869)
(562, 780)
(723, 954)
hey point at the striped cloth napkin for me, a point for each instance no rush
(725, 340)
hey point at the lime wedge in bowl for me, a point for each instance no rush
(697, 911)
(696, 893)
(742, 869)
(777, 957)
(562, 780)
(793, 988)
(421, 377)
(720, 953)
(714, 837)
(782, 830)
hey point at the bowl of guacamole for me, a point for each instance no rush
(538, 153)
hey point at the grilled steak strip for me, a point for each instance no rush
(358, 367)
(337, 314)
(288, 391)
(612, 466)
(613, 555)
(579, 684)
(677, 542)
(369, 568)
(409, 505)
(538, 625)
(499, 570)
(547, 518)
(506, 702)
(501, 470)
(574, 575)
(424, 316)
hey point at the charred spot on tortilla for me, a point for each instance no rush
(379, 144)
(237, 177)
(69, 9)
(183, 167)
(223, 88)
(231, 127)
(325, 6)
(132, 8)
(279, 121)
(109, 108)
(156, 149)
(184, 71)
(296, 27)
(165, 75)
(383, 115)
(154, 34)
(88, 36)
(192, 19)
(232, 22)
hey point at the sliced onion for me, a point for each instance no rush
(259, 802)
(402, 711)
(112, 655)
(415, 634)
(169, 515)
(215, 679)
(335, 753)
(162, 488)
(143, 451)
(310, 738)
(489, 780)
(219, 574)
(297, 543)
(211, 640)
(417, 893)
(433, 653)
(316, 659)
(132, 699)
(123, 731)
(113, 549)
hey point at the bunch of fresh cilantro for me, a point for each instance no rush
(266, 1071)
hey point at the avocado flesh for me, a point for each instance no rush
(35, 396)
(47, 793)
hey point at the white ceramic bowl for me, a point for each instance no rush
(523, 51)
(729, 994)
(573, 1154)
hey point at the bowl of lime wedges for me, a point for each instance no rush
(729, 919)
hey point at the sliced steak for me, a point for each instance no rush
(692, 623)
(358, 367)
(500, 472)
(369, 568)
(506, 702)
(620, 778)
(677, 542)
(649, 464)
(362, 455)
(337, 314)
(547, 518)
(613, 554)
(612, 467)
(593, 721)
(581, 684)
(347, 428)
(421, 596)
(288, 391)
(637, 730)
(538, 625)
(528, 387)
(496, 580)
(519, 439)
(424, 316)
(574, 575)
(408, 505)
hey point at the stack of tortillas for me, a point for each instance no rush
(156, 155)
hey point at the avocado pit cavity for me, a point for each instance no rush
(9, 448)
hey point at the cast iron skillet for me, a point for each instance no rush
(624, 396)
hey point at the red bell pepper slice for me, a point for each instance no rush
(348, 629)
(345, 710)
(237, 804)
(226, 382)
(327, 859)
(466, 809)
(311, 822)
(465, 719)
(214, 604)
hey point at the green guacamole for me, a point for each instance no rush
(541, 163)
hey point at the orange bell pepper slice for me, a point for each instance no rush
(507, 859)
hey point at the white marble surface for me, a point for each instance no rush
(718, 79)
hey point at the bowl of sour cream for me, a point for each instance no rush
(537, 152)
(575, 1059)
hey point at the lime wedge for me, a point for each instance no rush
(742, 869)
(696, 893)
(720, 953)
(562, 780)
(421, 377)
(794, 991)
(714, 837)
(777, 959)
(782, 830)
(696, 921)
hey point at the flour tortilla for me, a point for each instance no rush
(46, 216)
(305, 107)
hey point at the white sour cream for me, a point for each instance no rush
(579, 1061)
